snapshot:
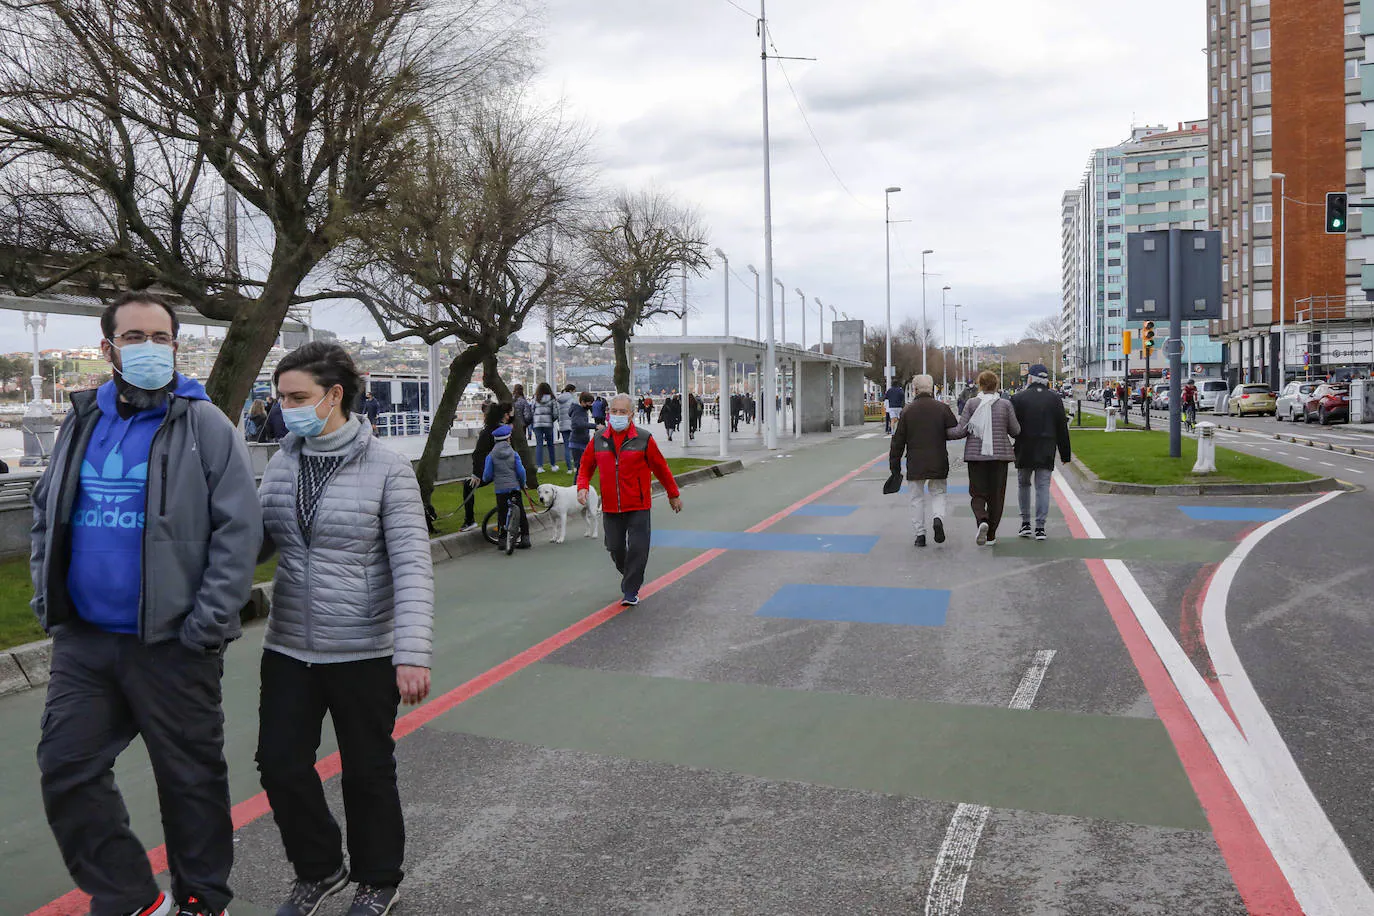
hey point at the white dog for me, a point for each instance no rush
(562, 500)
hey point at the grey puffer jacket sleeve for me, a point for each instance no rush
(365, 582)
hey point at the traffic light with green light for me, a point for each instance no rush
(1149, 335)
(1337, 212)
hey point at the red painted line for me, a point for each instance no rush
(1257, 876)
(77, 903)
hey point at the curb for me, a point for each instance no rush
(1116, 488)
(26, 667)
(1300, 440)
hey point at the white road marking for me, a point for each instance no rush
(952, 866)
(1306, 847)
(1327, 463)
(870, 435)
(1354, 470)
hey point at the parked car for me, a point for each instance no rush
(1292, 402)
(1161, 398)
(1254, 398)
(1328, 404)
(1212, 394)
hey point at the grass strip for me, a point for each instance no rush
(1143, 458)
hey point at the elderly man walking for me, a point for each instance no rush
(1044, 429)
(625, 457)
(923, 430)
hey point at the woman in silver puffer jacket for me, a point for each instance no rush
(349, 631)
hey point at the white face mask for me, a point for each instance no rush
(619, 422)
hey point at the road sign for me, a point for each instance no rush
(1147, 267)
(1025, 369)
(1197, 368)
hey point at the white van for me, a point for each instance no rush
(1211, 394)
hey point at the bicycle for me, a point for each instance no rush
(534, 511)
(1190, 417)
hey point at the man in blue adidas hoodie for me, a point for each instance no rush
(146, 531)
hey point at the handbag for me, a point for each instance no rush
(893, 484)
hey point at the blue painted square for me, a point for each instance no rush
(822, 511)
(913, 607)
(1231, 513)
(743, 540)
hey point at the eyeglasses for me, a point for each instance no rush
(131, 338)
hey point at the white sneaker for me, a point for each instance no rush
(162, 906)
(982, 533)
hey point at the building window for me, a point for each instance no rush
(1146, 167)
(1199, 182)
(1352, 69)
(1259, 38)
(1175, 205)
(1199, 224)
(1352, 23)
(1262, 125)
(1114, 230)
(1113, 163)
(1216, 95)
(1260, 82)
(1113, 313)
(1175, 184)
(1113, 262)
(1199, 161)
(1113, 195)
(1114, 211)
(1146, 186)
(1225, 271)
(1113, 296)
(1146, 208)
(1264, 255)
(1264, 213)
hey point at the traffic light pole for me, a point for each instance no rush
(1145, 389)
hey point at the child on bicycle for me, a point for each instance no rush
(504, 469)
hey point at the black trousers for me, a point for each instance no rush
(468, 491)
(107, 688)
(987, 490)
(627, 540)
(362, 699)
(503, 501)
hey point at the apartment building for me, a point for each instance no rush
(1286, 124)
(1157, 179)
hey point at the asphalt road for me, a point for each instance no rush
(808, 715)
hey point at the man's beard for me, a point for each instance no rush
(141, 398)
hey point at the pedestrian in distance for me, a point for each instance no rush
(580, 415)
(545, 427)
(566, 399)
(625, 457)
(506, 471)
(599, 412)
(349, 632)
(988, 420)
(1044, 430)
(149, 484)
(695, 409)
(736, 408)
(372, 408)
(895, 401)
(922, 433)
(275, 428)
(671, 415)
(255, 422)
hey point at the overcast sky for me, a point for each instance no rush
(983, 113)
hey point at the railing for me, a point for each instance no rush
(16, 488)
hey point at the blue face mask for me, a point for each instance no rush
(619, 422)
(304, 421)
(148, 365)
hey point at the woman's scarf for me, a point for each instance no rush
(981, 425)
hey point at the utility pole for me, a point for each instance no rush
(767, 408)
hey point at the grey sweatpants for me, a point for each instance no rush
(627, 540)
(1041, 478)
(107, 688)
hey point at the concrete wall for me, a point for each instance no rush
(848, 337)
(853, 396)
(816, 414)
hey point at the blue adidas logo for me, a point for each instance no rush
(109, 486)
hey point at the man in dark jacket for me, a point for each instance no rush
(895, 400)
(146, 529)
(922, 431)
(1044, 430)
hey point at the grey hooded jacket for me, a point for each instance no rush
(203, 530)
(546, 414)
(565, 402)
(365, 583)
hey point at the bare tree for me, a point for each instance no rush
(633, 251)
(1048, 329)
(125, 110)
(474, 241)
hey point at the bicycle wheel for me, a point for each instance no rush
(512, 527)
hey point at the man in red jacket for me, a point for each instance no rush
(624, 457)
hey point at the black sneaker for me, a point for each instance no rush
(524, 543)
(939, 531)
(371, 900)
(194, 906)
(1025, 531)
(307, 896)
(629, 601)
(920, 540)
(1040, 535)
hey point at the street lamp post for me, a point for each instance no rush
(887, 231)
(782, 307)
(758, 332)
(1283, 263)
(766, 408)
(944, 363)
(726, 261)
(820, 322)
(803, 314)
(925, 338)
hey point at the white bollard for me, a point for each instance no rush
(1206, 449)
(1111, 419)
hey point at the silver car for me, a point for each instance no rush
(1211, 394)
(1293, 400)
